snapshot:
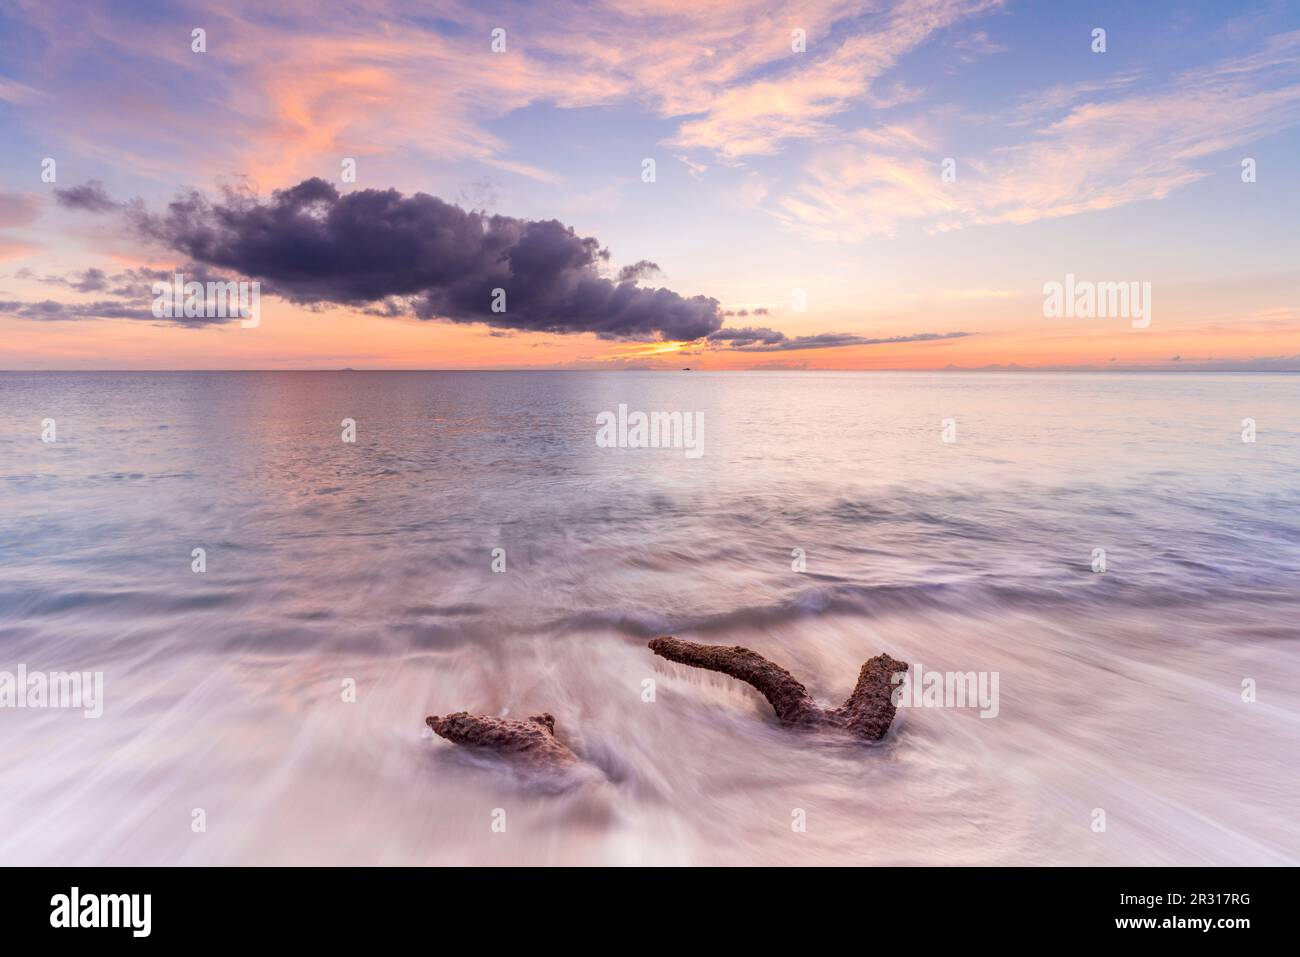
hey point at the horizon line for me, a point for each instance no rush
(1022, 369)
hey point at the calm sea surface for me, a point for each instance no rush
(371, 562)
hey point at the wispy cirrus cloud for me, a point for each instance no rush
(12, 91)
(388, 78)
(1094, 154)
(758, 116)
(279, 90)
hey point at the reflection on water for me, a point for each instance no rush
(371, 561)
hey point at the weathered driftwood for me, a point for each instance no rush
(532, 741)
(867, 713)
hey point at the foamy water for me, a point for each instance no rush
(327, 561)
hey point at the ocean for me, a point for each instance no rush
(1107, 545)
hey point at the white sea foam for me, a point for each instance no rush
(372, 563)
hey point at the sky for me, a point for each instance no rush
(651, 184)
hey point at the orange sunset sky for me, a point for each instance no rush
(834, 185)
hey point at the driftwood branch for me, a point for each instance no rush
(789, 699)
(867, 713)
(532, 741)
(869, 710)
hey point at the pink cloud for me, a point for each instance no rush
(1097, 155)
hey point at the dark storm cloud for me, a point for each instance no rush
(418, 254)
(89, 196)
(388, 254)
(769, 340)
